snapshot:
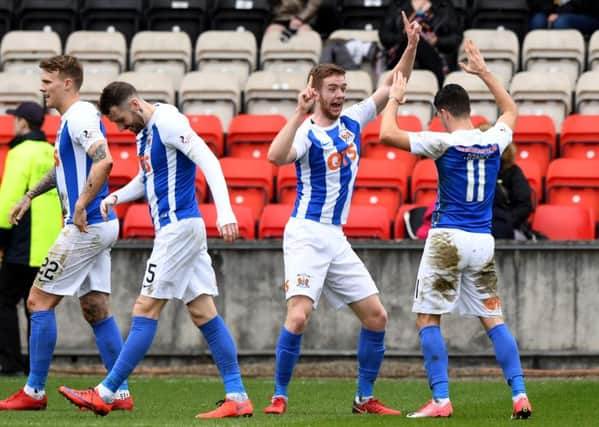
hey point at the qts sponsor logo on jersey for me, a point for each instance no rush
(341, 158)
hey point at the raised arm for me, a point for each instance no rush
(476, 65)
(390, 133)
(405, 64)
(281, 149)
(47, 183)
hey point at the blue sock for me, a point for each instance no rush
(371, 349)
(135, 348)
(224, 353)
(287, 354)
(41, 347)
(109, 342)
(435, 360)
(506, 353)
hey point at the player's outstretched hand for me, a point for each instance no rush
(80, 218)
(398, 88)
(229, 232)
(305, 99)
(413, 30)
(107, 205)
(476, 63)
(19, 209)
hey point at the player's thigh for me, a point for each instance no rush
(438, 281)
(173, 264)
(348, 280)
(307, 255)
(66, 268)
(479, 294)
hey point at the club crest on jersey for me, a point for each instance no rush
(347, 136)
(303, 281)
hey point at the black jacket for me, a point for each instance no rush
(512, 205)
(444, 24)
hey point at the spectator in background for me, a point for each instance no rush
(581, 15)
(511, 205)
(29, 158)
(441, 34)
(290, 16)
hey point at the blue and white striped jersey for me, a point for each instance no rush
(327, 163)
(468, 163)
(80, 128)
(168, 174)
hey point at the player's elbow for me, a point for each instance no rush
(275, 158)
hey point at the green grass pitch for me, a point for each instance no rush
(164, 401)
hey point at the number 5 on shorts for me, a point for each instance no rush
(150, 273)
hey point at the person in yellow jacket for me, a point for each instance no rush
(25, 245)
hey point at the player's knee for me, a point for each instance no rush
(94, 307)
(296, 321)
(377, 320)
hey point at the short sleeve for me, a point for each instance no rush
(429, 144)
(84, 127)
(301, 142)
(500, 134)
(362, 112)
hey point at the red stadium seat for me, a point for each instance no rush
(287, 184)
(114, 135)
(381, 182)
(210, 129)
(424, 182)
(3, 152)
(7, 128)
(201, 186)
(121, 210)
(273, 220)
(532, 172)
(565, 222)
(138, 222)
(250, 182)
(250, 135)
(535, 138)
(573, 182)
(399, 227)
(368, 222)
(372, 148)
(125, 165)
(436, 126)
(245, 221)
(51, 126)
(580, 137)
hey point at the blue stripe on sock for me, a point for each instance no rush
(109, 342)
(371, 349)
(435, 360)
(287, 355)
(141, 335)
(508, 357)
(41, 347)
(224, 353)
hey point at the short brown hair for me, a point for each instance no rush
(67, 66)
(322, 71)
(115, 94)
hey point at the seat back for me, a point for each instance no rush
(210, 93)
(533, 175)
(138, 222)
(21, 51)
(6, 13)
(499, 47)
(246, 221)
(593, 52)
(227, 52)
(210, 129)
(482, 101)
(287, 184)
(297, 54)
(250, 182)
(16, 88)
(162, 52)
(368, 222)
(250, 135)
(189, 16)
(381, 182)
(364, 14)
(510, 14)
(580, 137)
(573, 182)
(565, 222)
(424, 182)
(273, 93)
(152, 87)
(554, 50)
(587, 93)
(100, 52)
(273, 220)
(61, 16)
(93, 85)
(123, 15)
(535, 138)
(253, 16)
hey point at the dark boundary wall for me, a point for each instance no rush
(549, 291)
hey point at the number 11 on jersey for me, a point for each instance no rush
(480, 193)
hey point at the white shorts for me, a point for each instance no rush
(179, 266)
(79, 263)
(457, 274)
(318, 258)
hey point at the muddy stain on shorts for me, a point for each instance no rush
(485, 280)
(444, 258)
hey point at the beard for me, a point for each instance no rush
(327, 111)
